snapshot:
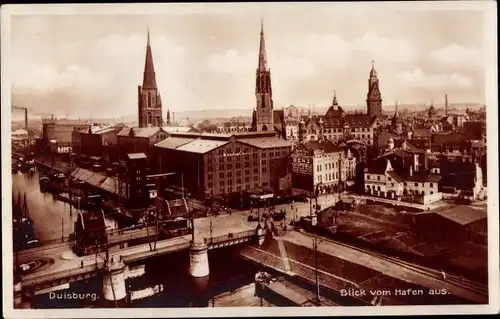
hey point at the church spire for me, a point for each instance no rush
(262, 67)
(335, 103)
(168, 116)
(149, 81)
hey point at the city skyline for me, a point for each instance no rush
(97, 75)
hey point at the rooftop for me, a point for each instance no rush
(327, 147)
(174, 142)
(136, 155)
(173, 129)
(139, 131)
(201, 146)
(463, 215)
(266, 142)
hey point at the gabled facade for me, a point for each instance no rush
(399, 176)
(139, 139)
(321, 167)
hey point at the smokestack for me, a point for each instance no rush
(26, 119)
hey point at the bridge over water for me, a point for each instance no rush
(63, 267)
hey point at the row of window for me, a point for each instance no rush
(237, 165)
(229, 182)
(404, 183)
(272, 151)
(238, 188)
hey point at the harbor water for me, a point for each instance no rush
(157, 282)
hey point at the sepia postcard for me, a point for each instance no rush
(249, 159)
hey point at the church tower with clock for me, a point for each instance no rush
(374, 98)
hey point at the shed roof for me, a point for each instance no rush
(266, 142)
(174, 142)
(201, 146)
(133, 156)
(139, 131)
(463, 215)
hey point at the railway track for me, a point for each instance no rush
(429, 272)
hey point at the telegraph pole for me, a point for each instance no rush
(210, 230)
(62, 229)
(70, 169)
(315, 247)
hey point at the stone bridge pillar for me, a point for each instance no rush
(113, 286)
(198, 260)
(18, 295)
(261, 235)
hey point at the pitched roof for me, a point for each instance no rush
(449, 137)
(136, 156)
(395, 175)
(174, 142)
(201, 146)
(139, 131)
(93, 220)
(327, 146)
(463, 215)
(421, 176)
(377, 166)
(266, 142)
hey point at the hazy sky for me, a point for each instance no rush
(85, 64)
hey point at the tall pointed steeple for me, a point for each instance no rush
(168, 116)
(264, 118)
(149, 99)
(262, 66)
(149, 81)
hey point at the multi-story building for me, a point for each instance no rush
(358, 127)
(401, 182)
(148, 97)
(291, 123)
(97, 141)
(461, 175)
(221, 164)
(321, 167)
(139, 139)
(61, 131)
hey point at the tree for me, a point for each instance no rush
(206, 126)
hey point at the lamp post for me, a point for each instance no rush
(211, 229)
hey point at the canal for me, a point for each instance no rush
(53, 219)
(163, 281)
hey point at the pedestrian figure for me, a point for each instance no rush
(82, 263)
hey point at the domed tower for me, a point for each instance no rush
(374, 98)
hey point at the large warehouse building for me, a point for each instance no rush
(221, 164)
